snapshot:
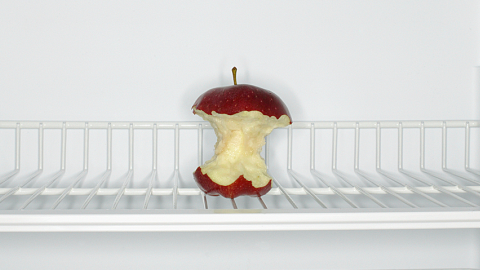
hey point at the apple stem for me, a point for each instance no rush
(234, 71)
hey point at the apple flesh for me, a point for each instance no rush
(241, 116)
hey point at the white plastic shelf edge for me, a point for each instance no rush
(232, 220)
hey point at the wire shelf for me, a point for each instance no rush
(321, 170)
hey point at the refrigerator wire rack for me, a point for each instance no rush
(443, 198)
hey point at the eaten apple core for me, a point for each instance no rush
(240, 138)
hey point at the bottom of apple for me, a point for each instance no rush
(241, 187)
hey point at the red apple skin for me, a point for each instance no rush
(241, 97)
(241, 187)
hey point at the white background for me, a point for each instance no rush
(328, 60)
(149, 60)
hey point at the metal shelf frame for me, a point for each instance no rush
(448, 183)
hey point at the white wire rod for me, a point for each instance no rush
(204, 200)
(130, 148)
(364, 176)
(386, 189)
(109, 147)
(360, 189)
(234, 204)
(36, 173)
(40, 190)
(94, 191)
(289, 148)
(340, 176)
(96, 125)
(467, 151)
(148, 194)
(17, 156)
(9, 175)
(422, 165)
(262, 202)
(267, 160)
(107, 173)
(67, 190)
(15, 189)
(63, 159)
(176, 176)
(195, 191)
(129, 177)
(200, 161)
(194, 124)
(416, 190)
(464, 188)
(84, 172)
(422, 169)
(444, 156)
(389, 190)
(122, 189)
(40, 147)
(400, 161)
(177, 147)
(284, 192)
(154, 166)
(383, 124)
(407, 202)
(293, 175)
(86, 141)
(307, 189)
(17, 146)
(57, 175)
(400, 158)
(335, 190)
(176, 180)
(275, 191)
(200, 145)
(155, 147)
(442, 190)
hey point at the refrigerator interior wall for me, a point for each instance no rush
(328, 60)
(384, 249)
